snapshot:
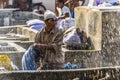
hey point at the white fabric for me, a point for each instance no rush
(34, 21)
(91, 2)
(59, 11)
(65, 10)
(80, 3)
(67, 23)
(105, 4)
(71, 37)
(49, 14)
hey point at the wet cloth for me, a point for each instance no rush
(110, 3)
(30, 58)
(37, 27)
(72, 66)
(114, 3)
(77, 39)
(66, 23)
(71, 37)
(35, 24)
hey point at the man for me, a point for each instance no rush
(47, 47)
(49, 40)
(63, 13)
(63, 10)
(74, 3)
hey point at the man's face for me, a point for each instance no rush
(51, 22)
(59, 4)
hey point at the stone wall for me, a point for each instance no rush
(20, 38)
(111, 37)
(108, 73)
(17, 17)
(102, 25)
(90, 21)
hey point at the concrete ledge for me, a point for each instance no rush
(87, 58)
(14, 41)
(15, 54)
(19, 29)
(103, 26)
(104, 73)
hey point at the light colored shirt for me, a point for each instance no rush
(54, 38)
(63, 11)
(59, 11)
(91, 2)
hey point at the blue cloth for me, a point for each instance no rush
(72, 14)
(72, 66)
(37, 26)
(30, 57)
(114, 3)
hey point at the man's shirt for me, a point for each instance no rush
(54, 38)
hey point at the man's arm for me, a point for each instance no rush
(64, 16)
(54, 45)
(39, 46)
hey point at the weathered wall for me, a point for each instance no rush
(90, 21)
(111, 37)
(109, 73)
(106, 29)
(22, 36)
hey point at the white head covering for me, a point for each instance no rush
(49, 14)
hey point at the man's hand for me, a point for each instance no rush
(39, 68)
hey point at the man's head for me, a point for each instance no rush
(60, 3)
(50, 18)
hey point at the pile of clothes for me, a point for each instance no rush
(110, 3)
(76, 39)
(36, 24)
